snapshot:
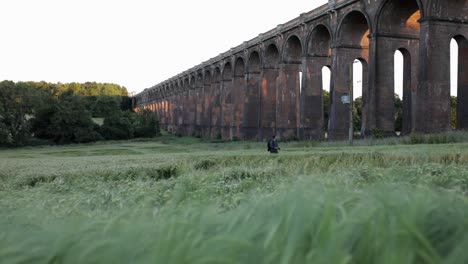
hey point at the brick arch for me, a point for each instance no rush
(272, 56)
(319, 41)
(227, 71)
(254, 62)
(293, 49)
(399, 16)
(178, 85)
(199, 80)
(207, 78)
(239, 68)
(354, 28)
(186, 83)
(217, 74)
(193, 80)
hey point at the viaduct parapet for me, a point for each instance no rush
(272, 84)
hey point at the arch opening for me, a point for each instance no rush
(358, 75)
(400, 17)
(293, 50)
(193, 82)
(239, 69)
(217, 74)
(272, 56)
(402, 92)
(320, 42)
(207, 77)
(227, 72)
(200, 79)
(254, 63)
(326, 83)
(459, 82)
(355, 30)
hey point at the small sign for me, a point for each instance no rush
(345, 99)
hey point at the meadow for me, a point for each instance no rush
(185, 200)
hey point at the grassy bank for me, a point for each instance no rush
(183, 200)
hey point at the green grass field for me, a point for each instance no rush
(183, 200)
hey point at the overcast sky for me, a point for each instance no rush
(134, 43)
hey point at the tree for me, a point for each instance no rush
(453, 106)
(65, 121)
(106, 105)
(398, 113)
(357, 114)
(16, 106)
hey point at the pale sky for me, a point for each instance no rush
(134, 43)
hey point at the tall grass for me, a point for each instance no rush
(306, 223)
(229, 204)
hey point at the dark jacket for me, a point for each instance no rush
(273, 146)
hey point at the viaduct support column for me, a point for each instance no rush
(340, 86)
(227, 105)
(216, 110)
(180, 113)
(251, 114)
(207, 110)
(385, 81)
(433, 95)
(191, 111)
(288, 101)
(172, 113)
(269, 98)
(312, 98)
(238, 98)
(199, 109)
(163, 119)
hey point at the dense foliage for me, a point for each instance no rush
(453, 106)
(39, 113)
(16, 104)
(180, 200)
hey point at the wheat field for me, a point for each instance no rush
(184, 200)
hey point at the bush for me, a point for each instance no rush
(147, 125)
(118, 126)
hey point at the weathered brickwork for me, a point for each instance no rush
(253, 91)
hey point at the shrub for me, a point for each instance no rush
(118, 126)
(146, 124)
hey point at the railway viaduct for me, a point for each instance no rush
(272, 84)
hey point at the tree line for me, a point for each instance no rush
(33, 113)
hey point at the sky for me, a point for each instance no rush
(134, 43)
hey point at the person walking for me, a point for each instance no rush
(273, 147)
